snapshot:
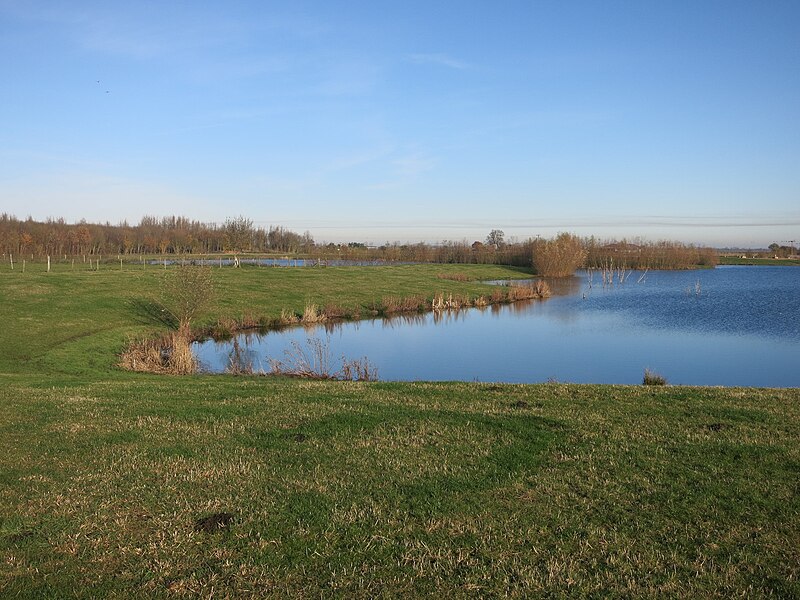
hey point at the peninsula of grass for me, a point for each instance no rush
(117, 484)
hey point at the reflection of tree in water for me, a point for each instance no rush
(564, 286)
(241, 358)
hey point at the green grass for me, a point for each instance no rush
(736, 260)
(340, 489)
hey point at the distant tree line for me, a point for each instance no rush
(780, 251)
(179, 235)
(152, 235)
(558, 256)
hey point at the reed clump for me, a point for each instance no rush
(169, 354)
(288, 317)
(533, 291)
(401, 304)
(336, 312)
(312, 314)
(653, 378)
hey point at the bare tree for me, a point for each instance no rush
(496, 238)
(239, 232)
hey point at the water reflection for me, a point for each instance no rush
(742, 328)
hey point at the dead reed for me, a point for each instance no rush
(168, 354)
(653, 378)
(401, 304)
(312, 314)
(454, 276)
(313, 361)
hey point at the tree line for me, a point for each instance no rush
(179, 235)
(152, 235)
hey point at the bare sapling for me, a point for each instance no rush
(185, 293)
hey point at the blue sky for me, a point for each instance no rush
(406, 121)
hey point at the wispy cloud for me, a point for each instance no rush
(442, 60)
(414, 164)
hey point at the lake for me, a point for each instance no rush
(729, 326)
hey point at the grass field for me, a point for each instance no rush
(114, 484)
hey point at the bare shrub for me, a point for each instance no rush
(559, 257)
(185, 293)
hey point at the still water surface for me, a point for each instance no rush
(731, 326)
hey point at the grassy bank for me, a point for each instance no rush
(737, 260)
(116, 484)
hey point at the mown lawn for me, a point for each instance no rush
(115, 484)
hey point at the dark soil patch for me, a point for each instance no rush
(214, 523)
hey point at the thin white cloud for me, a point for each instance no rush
(414, 164)
(442, 60)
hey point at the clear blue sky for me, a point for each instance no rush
(405, 121)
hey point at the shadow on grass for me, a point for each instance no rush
(150, 312)
(519, 446)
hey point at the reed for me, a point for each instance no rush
(169, 354)
(312, 314)
(288, 317)
(454, 276)
(653, 378)
(400, 304)
(313, 361)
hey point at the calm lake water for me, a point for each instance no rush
(730, 326)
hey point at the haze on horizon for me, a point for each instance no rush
(416, 121)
